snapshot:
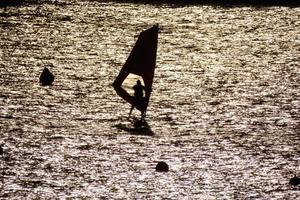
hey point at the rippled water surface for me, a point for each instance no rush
(225, 109)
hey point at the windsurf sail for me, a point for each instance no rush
(141, 62)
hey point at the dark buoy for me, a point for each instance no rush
(162, 167)
(295, 181)
(46, 77)
(1, 150)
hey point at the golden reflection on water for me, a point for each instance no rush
(130, 81)
(224, 108)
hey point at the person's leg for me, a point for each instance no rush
(131, 109)
(143, 115)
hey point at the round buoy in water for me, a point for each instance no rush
(46, 78)
(162, 167)
(295, 181)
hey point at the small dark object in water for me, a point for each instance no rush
(1, 150)
(162, 167)
(66, 18)
(46, 77)
(295, 181)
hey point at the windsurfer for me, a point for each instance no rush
(138, 96)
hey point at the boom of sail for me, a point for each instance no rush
(141, 62)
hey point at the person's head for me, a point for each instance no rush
(138, 82)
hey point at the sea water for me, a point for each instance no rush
(224, 110)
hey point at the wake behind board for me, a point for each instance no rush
(136, 127)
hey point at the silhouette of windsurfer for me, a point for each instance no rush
(138, 96)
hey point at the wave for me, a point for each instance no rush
(289, 3)
(227, 3)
